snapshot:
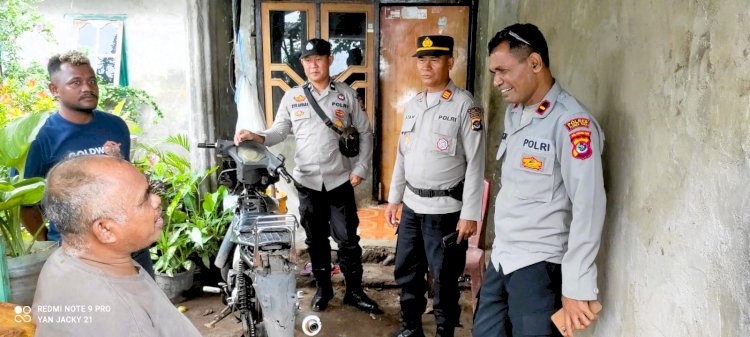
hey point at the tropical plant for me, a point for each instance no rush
(16, 18)
(16, 138)
(194, 223)
(132, 100)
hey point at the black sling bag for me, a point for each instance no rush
(348, 138)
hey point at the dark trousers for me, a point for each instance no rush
(520, 303)
(419, 249)
(331, 213)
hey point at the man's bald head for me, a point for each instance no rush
(80, 191)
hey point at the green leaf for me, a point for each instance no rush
(25, 192)
(16, 138)
(197, 237)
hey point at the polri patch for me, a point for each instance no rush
(543, 107)
(475, 114)
(581, 141)
(532, 163)
(338, 124)
(576, 123)
(447, 94)
(339, 114)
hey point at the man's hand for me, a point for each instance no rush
(390, 215)
(466, 228)
(578, 315)
(112, 148)
(355, 179)
(243, 135)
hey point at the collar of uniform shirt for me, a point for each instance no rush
(310, 86)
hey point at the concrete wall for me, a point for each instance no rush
(157, 52)
(669, 81)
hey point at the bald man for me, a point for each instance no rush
(105, 211)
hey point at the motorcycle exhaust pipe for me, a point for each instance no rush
(311, 325)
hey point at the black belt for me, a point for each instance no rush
(455, 192)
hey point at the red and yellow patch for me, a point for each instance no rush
(475, 114)
(543, 107)
(447, 94)
(339, 114)
(299, 98)
(531, 163)
(338, 124)
(581, 141)
(577, 123)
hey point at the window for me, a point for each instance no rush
(103, 40)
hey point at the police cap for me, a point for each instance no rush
(316, 47)
(434, 45)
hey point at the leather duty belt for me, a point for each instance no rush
(455, 192)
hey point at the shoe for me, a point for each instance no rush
(321, 298)
(444, 332)
(407, 332)
(359, 300)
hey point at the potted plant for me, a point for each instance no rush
(194, 224)
(25, 258)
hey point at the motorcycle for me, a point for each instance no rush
(257, 256)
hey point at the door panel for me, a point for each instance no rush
(286, 28)
(399, 80)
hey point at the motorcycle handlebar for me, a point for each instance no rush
(207, 145)
(284, 174)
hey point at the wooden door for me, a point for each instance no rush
(286, 28)
(399, 80)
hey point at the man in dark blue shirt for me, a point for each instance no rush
(76, 129)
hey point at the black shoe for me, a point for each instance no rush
(444, 332)
(321, 298)
(359, 300)
(407, 332)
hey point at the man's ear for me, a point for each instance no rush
(105, 230)
(535, 61)
(52, 89)
(451, 61)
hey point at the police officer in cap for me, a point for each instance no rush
(438, 175)
(326, 178)
(550, 208)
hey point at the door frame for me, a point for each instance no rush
(373, 107)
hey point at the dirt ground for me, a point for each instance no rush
(338, 319)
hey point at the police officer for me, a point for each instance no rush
(326, 179)
(550, 208)
(438, 175)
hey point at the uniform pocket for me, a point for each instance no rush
(407, 129)
(444, 137)
(535, 179)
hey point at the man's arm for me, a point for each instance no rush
(31, 215)
(580, 160)
(281, 127)
(472, 135)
